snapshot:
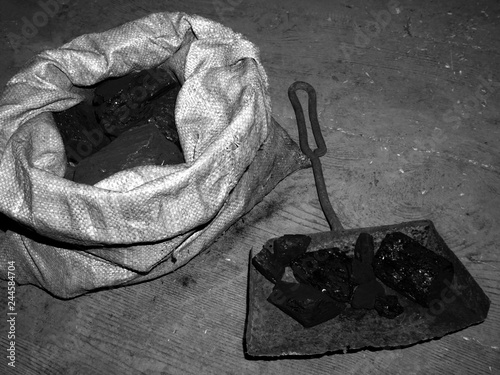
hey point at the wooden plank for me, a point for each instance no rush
(379, 109)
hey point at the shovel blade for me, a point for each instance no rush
(272, 333)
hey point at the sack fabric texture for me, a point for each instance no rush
(141, 223)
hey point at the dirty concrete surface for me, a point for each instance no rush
(409, 105)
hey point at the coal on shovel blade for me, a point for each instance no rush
(304, 303)
(272, 333)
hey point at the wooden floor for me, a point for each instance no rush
(407, 140)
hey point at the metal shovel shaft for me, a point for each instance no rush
(326, 206)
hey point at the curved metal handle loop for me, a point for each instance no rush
(313, 118)
(326, 206)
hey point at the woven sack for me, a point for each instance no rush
(144, 222)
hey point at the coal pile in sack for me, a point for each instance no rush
(129, 122)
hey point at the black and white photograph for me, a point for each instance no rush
(236, 187)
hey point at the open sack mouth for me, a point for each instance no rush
(126, 122)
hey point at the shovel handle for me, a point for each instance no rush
(314, 155)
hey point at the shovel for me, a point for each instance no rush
(272, 333)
